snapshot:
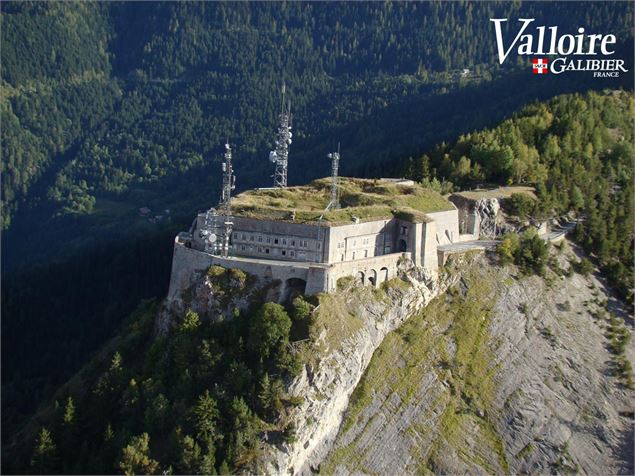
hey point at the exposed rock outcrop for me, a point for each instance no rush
(350, 326)
(503, 374)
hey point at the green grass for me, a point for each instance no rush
(365, 199)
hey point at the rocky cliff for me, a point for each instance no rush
(347, 329)
(503, 373)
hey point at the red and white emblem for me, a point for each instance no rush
(540, 65)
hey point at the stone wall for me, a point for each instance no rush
(447, 224)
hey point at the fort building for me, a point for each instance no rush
(291, 235)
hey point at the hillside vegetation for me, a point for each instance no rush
(578, 152)
(195, 400)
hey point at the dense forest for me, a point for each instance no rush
(577, 150)
(109, 107)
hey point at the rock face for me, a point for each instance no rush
(350, 325)
(502, 374)
(486, 210)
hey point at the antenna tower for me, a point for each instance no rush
(229, 182)
(280, 155)
(335, 161)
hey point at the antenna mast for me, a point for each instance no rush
(335, 161)
(229, 184)
(280, 156)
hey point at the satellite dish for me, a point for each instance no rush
(212, 238)
(289, 141)
(290, 134)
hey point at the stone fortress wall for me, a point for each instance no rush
(316, 256)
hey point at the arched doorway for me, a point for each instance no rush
(293, 287)
(403, 246)
(372, 277)
(359, 278)
(383, 275)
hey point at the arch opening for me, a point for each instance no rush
(383, 275)
(359, 278)
(372, 277)
(293, 287)
(403, 246)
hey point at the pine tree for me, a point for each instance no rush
(45, 453)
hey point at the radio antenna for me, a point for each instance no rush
(280, 155)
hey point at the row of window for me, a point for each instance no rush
(272, 240)
(363, 241)
(271, 251)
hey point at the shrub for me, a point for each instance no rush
(508, 248)
(520, 205)
(584, 267)
(344, 282)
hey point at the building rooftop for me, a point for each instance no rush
(365, 199)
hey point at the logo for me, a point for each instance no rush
(547, 41)
(540, 65)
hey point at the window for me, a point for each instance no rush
(268, 239)
(260, 249)
(251, 237)
(284, 241)
(292, 253)
(284, 252)
(260, 238)
(292, 242)
(244, 237)
(275, 242)
(319, 246)
(242, 247)
(341, 257)
(267, 250)
(403, 230)
(365, 253)
(353, 255)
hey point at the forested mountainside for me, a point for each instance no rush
(110, 107)
(105, 99)
(202, 397)
(578, 152)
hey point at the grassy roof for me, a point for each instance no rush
(366, 199)
(500, 192)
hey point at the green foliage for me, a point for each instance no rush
(206, 414)
(44, 456)
(301, 309)
(344, 282)
(201, 396)
(190, 322)
(528, 251)
(520, 205)
(577, 151)
(508, 247)
(135, 459)
(69, 411)
(532, 254)
(270, 327)
(584, 267)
